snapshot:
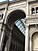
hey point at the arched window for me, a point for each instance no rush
(35, 42)
(36, 9)
(14, 31)
(33, 10)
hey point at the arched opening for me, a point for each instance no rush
(14, 32)
(33, 10)
(35, 42)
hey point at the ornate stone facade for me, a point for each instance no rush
(30, 9)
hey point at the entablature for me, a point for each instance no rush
(31, 0)
(31, 20)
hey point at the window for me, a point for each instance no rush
(33, 10)
(36, 9)
(20, 25)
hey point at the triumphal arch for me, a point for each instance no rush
(19, 25)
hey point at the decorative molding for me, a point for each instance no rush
(2, 8)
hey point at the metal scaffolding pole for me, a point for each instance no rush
(3, 27)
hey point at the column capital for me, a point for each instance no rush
(27, 25)
(30, 38)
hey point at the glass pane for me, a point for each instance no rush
(20, 25)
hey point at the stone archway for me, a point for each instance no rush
(35, 41)
(10, 32)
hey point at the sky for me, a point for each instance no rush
(2, 0)
(6, 0)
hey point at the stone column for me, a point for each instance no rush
(30, 44)
(28, 12)
(26, 38)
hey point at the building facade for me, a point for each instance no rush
(9, 13)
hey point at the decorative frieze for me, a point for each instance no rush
(32, 21)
